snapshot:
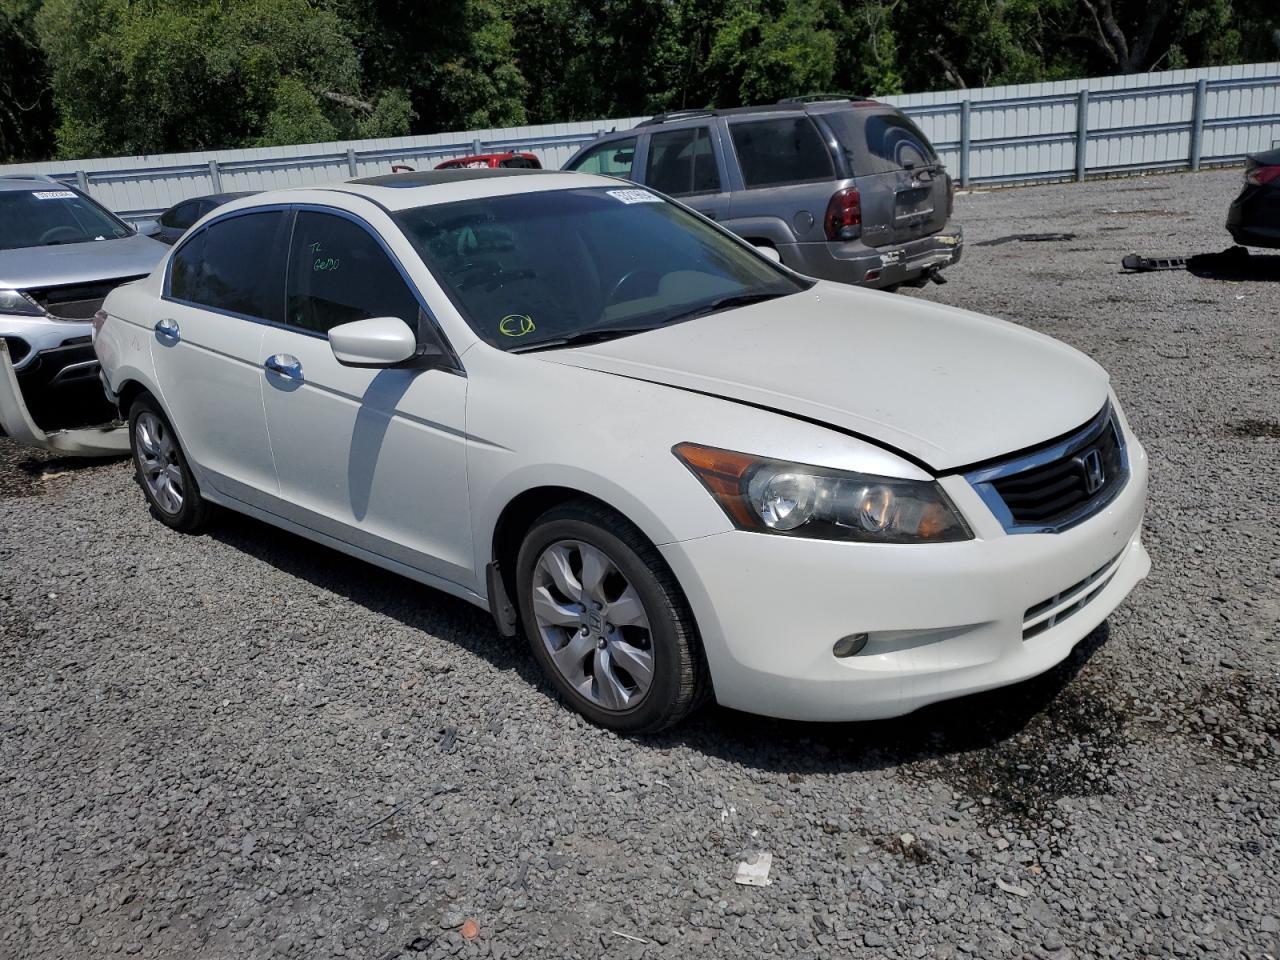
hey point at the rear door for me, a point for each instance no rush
(688, 164)
(225, 283)
(906, 193)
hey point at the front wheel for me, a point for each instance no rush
(162, 469)
(607, 620)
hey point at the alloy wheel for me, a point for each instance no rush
(158, 459)
(593, 624)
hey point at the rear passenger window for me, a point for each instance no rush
(613, 159)
(231, 265)
(786, 150)
(338, 273)
(682, 162)
(521, 163)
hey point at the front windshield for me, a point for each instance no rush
(557, 266)
(45, 217)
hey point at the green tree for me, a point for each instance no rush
(456, 59)
(197, 74)
(26, 99)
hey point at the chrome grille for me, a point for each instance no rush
(1065, 603)
(1059, 485)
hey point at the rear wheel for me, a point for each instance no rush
(607, 621)
(162, 469)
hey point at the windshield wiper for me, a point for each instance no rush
(613, 333)
(724, 303)
(586, 336)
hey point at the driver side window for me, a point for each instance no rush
(338, 273)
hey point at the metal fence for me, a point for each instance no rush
(1181, 119)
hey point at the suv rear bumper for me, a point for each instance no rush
(855, 262)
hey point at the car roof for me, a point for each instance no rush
(403, 191)
(815, 103)
(400, 191)
(29, 181)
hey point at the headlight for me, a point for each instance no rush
(15, 302)
(770, 496)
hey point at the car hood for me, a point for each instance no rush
(32, 268)
(944, 386)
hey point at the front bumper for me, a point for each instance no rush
(944, 620)
(876, 267)
(48, 353)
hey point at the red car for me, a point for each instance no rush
(525, 161)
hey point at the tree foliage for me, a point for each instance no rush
(91, 77)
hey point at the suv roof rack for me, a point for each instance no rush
(673, 115)
(825, 97)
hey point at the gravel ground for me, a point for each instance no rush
(242, 745)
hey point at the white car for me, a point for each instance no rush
(681, 469)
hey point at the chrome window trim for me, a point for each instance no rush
(454, 361)
(982, 480)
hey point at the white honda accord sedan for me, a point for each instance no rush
(679, 469)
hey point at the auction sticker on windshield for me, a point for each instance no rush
(53, 194)
(634, 196)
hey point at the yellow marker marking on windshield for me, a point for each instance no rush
(516, 325)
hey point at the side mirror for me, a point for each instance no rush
(771, 252)
(148, 228)
(376, 342)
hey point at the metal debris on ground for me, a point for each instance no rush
(1234, 263)
(754, 871)
(1136, 264)
(1027, 238)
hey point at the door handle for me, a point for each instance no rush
(710, 214)
(285, 364)
(168, 329)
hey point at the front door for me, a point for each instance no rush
(223, 282)
(373, 457)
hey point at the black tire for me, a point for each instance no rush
(680, 681)
(194, 511)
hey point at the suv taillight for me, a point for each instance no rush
(844, 215)
(1261, 176)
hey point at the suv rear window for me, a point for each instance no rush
(785, 150)
(881, 142)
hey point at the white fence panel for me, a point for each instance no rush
(996, 135)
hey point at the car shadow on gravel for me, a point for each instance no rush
(412, 604)
(1050, 705)
(984, 744)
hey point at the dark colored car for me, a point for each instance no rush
(519, 161)
(841, 188)
(173, 223)
(1254, 217)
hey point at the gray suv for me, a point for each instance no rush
(60, 255)
(843, 189)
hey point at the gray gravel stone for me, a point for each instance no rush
(240, 736)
